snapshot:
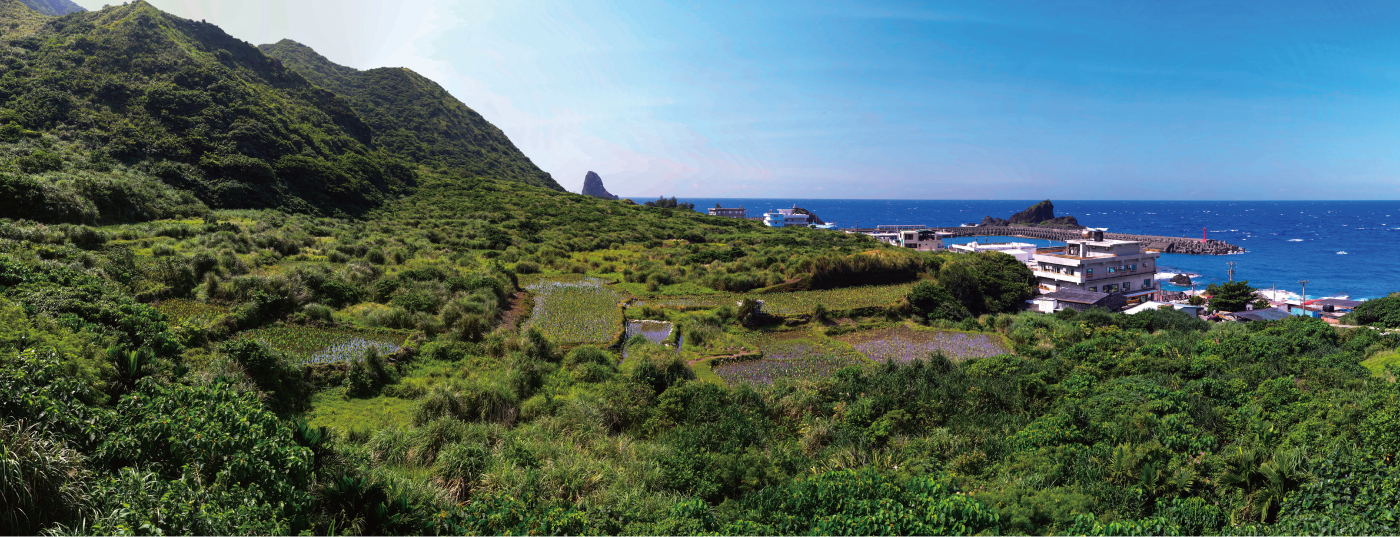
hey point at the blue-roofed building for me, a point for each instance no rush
(1269, 314)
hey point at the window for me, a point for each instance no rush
(1093, 289)
(1132, 266)
(1147, 284)
(1111, 270)
(1127, 286)
(1089, 272)
(1110, 288)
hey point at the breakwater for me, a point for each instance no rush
(1170, 245)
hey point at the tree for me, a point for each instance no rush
(670, 203)
(933, 301)
(1232, 296)
(987, 282)
(1383, 312)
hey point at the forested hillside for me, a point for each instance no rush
(53, 8)
(415, 118)
(408, 333)
(183, 104)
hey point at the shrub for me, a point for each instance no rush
(367, 375)
(41, 479)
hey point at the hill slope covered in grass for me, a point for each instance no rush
(415, 118)
(184, 104)
(53, 8)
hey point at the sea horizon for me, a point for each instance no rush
(1285, 241)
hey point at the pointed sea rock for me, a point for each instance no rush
(593, 186)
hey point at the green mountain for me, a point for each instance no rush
(19, 19)
(415, 118)
(154, 96)
(53, 8)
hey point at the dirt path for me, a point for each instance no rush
(518, 302)
(698, 360)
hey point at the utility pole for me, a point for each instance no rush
(1232, 270)
(1303, 301)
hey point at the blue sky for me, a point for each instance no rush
(925, 100)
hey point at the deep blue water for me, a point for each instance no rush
(1286, 241)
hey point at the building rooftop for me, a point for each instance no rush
(1075, 295)
(1270, 314)
(1105, 242)
(1335, 302)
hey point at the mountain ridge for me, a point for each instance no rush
(414, 116)
(183, 103)
(53, 8)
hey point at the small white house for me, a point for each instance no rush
(1020, 250)
(1152, 305)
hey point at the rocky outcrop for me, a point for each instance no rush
(1040, 214)
(1035, 214)
(1181, 279)
(815, 219)
(593, 186)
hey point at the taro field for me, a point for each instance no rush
(655, 331)
(796, 303)
(795, 358)
(317, 345)
(576, 310)
(189, 311)
(801, 302)
(905, 344)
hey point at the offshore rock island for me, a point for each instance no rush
(1039, 215)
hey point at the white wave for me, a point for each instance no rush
(1341, 253)
(1279, 295)
(1295, 240)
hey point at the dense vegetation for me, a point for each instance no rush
(1382, 312)
(461, 351)
(184, 103)
(415, 118)
(53, 8)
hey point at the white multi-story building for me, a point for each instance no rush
(786, 217)
(729, 212)
(1096, 265)
(922, 240)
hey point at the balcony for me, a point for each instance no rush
(1122, 274)
(1072, 278)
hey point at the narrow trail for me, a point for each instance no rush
(698, 360)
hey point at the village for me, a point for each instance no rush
(1117, 273)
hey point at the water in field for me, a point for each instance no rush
(655, 331)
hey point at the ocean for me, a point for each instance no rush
(1342, 248)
